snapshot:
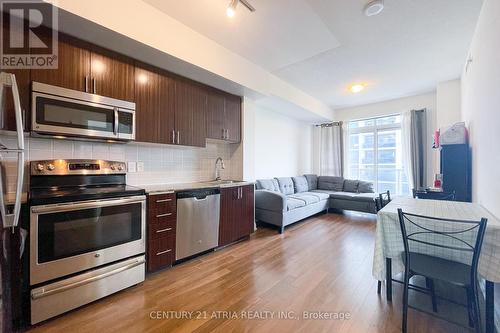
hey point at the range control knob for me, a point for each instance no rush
(50, 167)
(40, 167)
(120, 167)
(113, 167)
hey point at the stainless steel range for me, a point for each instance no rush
(87, 234)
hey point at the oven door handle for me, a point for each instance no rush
(70, 206)
(58, 288)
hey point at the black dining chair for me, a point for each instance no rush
(422, 237)
(383, 199)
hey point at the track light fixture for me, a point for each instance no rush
(231, 8)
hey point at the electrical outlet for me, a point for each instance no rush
(132, 167)
(140, 166)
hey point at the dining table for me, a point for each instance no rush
(388, 262)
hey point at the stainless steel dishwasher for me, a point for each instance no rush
(198, 214)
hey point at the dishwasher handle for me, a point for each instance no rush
(198, 195)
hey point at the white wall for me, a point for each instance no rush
(427, 101)
(448, 103)
(481, 107)
(282, 146)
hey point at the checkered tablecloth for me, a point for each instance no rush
(389, 243)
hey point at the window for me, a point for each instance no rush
(375, 153)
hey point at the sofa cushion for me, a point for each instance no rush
(351, 185)
(268, 184)
(330, 183)
(365, 187)
(292, 203)
(365, 197)
(343, 195)
(307, 198)
(300, 184)
(320, 195)
(286, 185)
(312, 182)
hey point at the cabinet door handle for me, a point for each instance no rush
(178, 137)
(86, 84)
(163, 230)
(94, 85)
(227, 134)
(163, 252)
(163, 200)
(223, 133)
(163, 215)
(173, 136)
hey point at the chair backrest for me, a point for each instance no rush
(456, 240)
(383, 199)
(450, 196)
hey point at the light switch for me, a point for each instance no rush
(132, 167)
(140, 166)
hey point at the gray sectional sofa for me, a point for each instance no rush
(283, 201)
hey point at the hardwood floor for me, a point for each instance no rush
(322, 264)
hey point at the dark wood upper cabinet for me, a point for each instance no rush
(233, 118)
(73, 71)
(236, 214)
(215, 115)
(223, 116)
(169, 109)
(166, 120)
(147, 104)
(112, 76)
(190, 114)
(88, 68)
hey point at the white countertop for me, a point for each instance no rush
(175, 187)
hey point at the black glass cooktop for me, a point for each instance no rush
(43, 196)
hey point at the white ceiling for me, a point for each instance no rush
(322, 46)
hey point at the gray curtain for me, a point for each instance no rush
(418, 145)
(331, 150)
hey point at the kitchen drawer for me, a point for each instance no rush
(161, 206)
(164, 218)
(161, 230)
(161, 252)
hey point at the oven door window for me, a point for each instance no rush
(66, 234)
(73, 115)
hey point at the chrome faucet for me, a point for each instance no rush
(217, 169)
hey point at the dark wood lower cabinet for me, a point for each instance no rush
(162, 220)
(236, 222)
(237, 214)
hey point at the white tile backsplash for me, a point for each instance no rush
(162, 163)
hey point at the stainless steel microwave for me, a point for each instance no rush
(59, 111)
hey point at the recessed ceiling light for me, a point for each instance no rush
(374, 7)
(356, 88)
